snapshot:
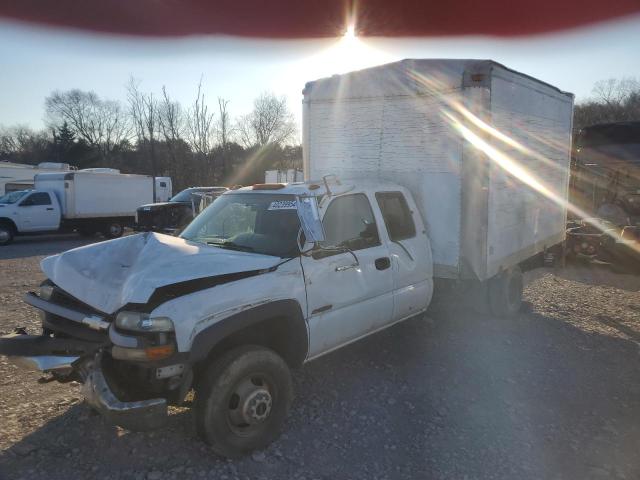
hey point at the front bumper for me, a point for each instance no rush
(72, 359)
(139, 416)
(76, 344)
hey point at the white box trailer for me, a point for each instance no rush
(484, 150)
(92, 194)
(18, 176)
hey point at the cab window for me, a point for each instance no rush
(397, 216)
(349, 222)
(38, 198)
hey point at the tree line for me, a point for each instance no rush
(612, 100)
(152, 133)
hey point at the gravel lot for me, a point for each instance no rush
(554, 393)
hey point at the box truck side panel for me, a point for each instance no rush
(522, 219)
(405, 139)
(108, 195)
(421, 151)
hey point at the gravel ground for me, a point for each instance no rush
(553, 393)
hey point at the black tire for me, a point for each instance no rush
(505, 293)
(232, 412)
(6, 234)
(113, 230)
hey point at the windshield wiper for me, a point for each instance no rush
(232, 246)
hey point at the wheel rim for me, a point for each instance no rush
(4, 235)
(115, 229)
(250, 404)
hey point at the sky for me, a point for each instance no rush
(35, 61)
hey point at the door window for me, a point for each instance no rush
(38, 198)
(397, 216)
(349, 222)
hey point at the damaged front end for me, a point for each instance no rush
(129, 377)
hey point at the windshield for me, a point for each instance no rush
(183, 196)
(13, 197)
(258, 223)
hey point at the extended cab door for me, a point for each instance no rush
(38, 212)
(348, 295)
(410, 254)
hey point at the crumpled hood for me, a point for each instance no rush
(110, 274)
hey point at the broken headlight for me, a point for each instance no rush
(143, 322)
(46, 291)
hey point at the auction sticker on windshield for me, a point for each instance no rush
(283, 205)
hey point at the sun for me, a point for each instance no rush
(350, 34)
(349, 52)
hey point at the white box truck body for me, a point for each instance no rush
(96, 194)
(484, 150)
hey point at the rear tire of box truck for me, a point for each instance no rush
(505, 292)
(113, 229)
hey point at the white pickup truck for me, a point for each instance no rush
(272, 276)
(87, 201)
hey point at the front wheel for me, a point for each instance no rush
(243, 400)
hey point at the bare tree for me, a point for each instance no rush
(22, 142)
(200, 125)
(100, 123)
(269, 122)
(224, 129)
(143, 109)
(170, 118)
(614, 92)
(613, 101)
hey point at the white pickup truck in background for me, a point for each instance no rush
(272, 276)
(87, 201)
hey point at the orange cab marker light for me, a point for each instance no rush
(159, 352)
(268, 186)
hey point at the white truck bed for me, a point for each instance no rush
(93, 194)
(412, 122)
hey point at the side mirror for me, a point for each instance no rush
(309, 215)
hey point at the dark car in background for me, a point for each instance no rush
(172, 216)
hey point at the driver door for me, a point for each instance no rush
(348, 297)
(38, 213)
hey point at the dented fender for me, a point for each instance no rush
(201, 310)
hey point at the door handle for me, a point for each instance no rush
(342, 268)
(383, 263)
(49, 208)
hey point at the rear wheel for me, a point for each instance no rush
(242, 401)
(113, 230)
(505, 292)
(6, 234)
